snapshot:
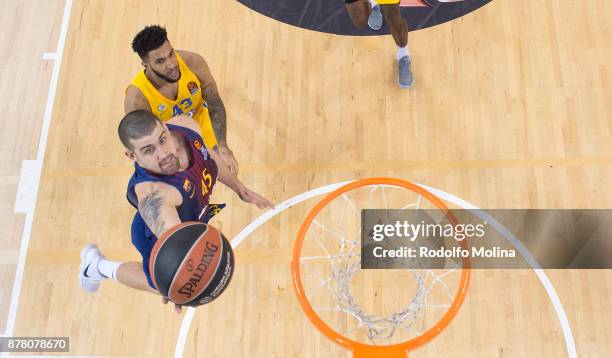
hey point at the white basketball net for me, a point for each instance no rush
(342, 260)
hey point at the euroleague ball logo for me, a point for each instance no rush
(330, 15)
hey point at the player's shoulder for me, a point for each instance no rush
(133, 91)
(192, 59)
(185, 122)
(135, 99)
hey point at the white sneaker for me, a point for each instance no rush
(89, 275)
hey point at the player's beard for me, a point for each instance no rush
(166, 78)
(172, 166)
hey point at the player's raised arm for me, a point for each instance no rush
(216, 108)
(231, 181)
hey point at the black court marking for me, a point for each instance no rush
(330, 16)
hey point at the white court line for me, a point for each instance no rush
(548, 286)
(40, 156)
(28, 184)
(49, 55)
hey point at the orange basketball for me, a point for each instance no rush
(191, 264)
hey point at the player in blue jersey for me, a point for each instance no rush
(174, 175)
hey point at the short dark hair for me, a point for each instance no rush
(135, 125)
(148, 39)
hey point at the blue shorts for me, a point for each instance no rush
(143, 239)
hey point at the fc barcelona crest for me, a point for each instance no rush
(187, 185)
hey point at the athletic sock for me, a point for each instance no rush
(402, 52)
(108, 268)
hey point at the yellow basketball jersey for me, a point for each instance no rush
(188, 102)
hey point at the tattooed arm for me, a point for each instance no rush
(157, 203)
(216, 108)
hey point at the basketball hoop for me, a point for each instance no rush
(336, 270)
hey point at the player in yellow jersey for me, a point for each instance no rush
(371, 12)
(176, 83)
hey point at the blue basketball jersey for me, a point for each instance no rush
(194, 183)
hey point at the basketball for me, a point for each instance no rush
(191, 264)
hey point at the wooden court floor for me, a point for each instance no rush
(510, 110)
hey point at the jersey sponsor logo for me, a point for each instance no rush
(331, 16)
(193, 87)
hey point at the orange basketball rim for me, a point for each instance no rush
(361, 350)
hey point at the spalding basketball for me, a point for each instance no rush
(191, 264)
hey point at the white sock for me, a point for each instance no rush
(373, 3)
(402, 52)
(109, 268)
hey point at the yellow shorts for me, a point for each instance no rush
(203, 119)
(387, 2)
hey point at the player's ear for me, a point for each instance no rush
(130, 154)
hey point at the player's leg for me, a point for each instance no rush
(95, 268)
(359, 11)
(132, 275)
(399, 30)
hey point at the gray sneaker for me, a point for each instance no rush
(375, 20)
(405, 79)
